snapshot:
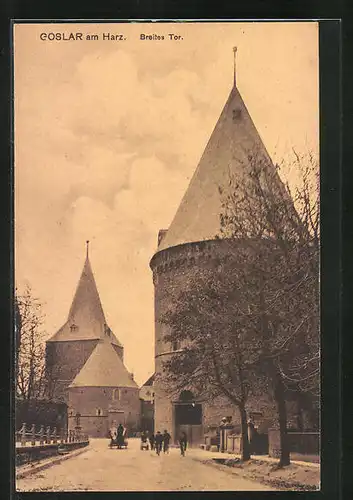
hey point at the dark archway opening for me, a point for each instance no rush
(188, 418)
(186, 396)
(188, 414)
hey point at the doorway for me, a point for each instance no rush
(188, 418)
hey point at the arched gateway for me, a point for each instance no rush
(187, 417)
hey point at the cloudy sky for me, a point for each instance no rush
(108, 134)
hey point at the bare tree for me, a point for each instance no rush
(279, 279)
(30, 369)
(52, 376)
(17, 327)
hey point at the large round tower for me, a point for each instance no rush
(186, 410)
(194, 240)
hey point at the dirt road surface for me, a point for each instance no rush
(103, 469)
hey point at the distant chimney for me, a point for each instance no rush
(161, 235)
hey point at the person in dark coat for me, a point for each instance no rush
(183, 440)
(120, 436)
(152, 441)
(166, 440)
(159, 441)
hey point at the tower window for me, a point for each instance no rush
(175, 345)
(73, 327)
(116, 395)
(99, 412)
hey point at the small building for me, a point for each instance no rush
(147, 405)
(104, 393)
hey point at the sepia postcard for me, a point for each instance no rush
(167, 255)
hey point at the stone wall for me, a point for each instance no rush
(234, 444)
(172, 269)
(98, 408)
(307, 443)
(163, 411)
(170, 275)
(171, 272)
(94, 426)
(64, 360)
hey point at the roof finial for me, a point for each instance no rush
(87, 243)
(235, 65)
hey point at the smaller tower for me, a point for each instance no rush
(68, 350)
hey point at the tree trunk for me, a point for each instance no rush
(245, 449)
(282, 419)
(18, 327)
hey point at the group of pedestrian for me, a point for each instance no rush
(160, 442)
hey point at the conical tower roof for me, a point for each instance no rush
(104, 368)
(86, 305)
(86, 318)
(225, 156)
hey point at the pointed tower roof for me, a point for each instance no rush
(86, 318)
(104, 368)
(86, 304)
(234, 136)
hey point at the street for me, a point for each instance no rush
(103, 469)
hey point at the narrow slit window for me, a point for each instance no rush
(116, 395)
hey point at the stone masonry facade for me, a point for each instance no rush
(100, 406)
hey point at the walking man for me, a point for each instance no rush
(152, 441)
(183, 443)
(159, 441)
(166, 439)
